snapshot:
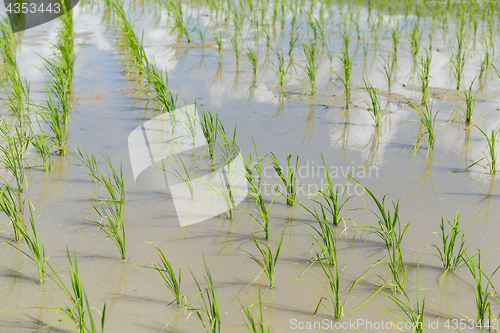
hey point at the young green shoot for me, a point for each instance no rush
(267, 260)
(252, 57)
(451, 260)
(373, 103)
(289, 179)
(483, 305)
(415, 316)
(491, 145)
(208, 310)
(469, 97)
(426, 123)
(252, 324)
(110, 223)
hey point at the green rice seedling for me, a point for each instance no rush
(7, 42)
(325, 238)
(491, 144)
(415, 316)
(310, 68)
(39, 143)
(115, 186)
(255, 193)
(110, 223)
(129, 40)
(292, 41)
(209, 124)
(415, 39)
(373, 103)
(289, 179)
(179, 170)
(201, 34)
(167, 274)
(483, 305)
(252, 324)
(78, 314)
(252, 58)
(332, 287)
(162, 95)
(388, 70)
(235, 48)
(427, 122)
(52, 116)
(218, 41)
(208, 310)
(395, 261)
(87, 161)
(389, 226)
(17, 93)
(59, 85)
(13, 153)
(331, 195)
(267, 260)
(470, 102)
(424, 75)
(12, 206)
(35, 245)
(450, 260)
(458, 61)
(395, 34)
(280, 69)
(346, 80)
(330, 52)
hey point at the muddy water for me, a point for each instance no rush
(105, 111)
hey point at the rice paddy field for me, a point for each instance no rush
(363, 134)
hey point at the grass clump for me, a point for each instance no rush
(373, 103)
(289, 179)
(427, 122)
(253, 175)
(111, 224)
(35, 244)
(252, 324)
(451, 260)
(167, 274)
(12, 206)
(332, 287)
(491, 146)
(483, 289)
(269, 260)
(415, 316)
(208, 310)
(346, 61)
(470, 102)
(310, 68)
(79, 313)
(252, 57)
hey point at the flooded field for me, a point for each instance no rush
(262, 166)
